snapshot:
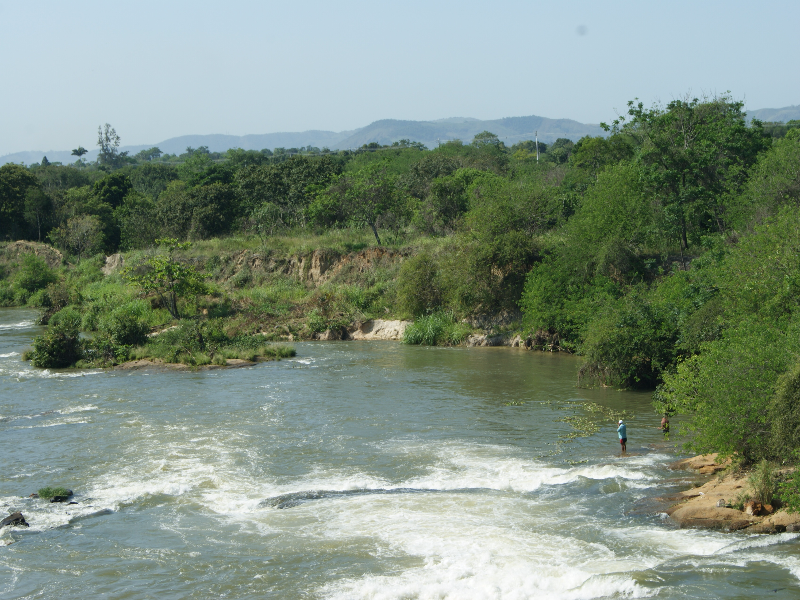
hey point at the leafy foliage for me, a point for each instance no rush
(168, 277)
(60, 346)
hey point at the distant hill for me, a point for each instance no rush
(785, 114)
(510, 130)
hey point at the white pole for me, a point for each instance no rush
(537, 145)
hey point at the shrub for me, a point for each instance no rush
(437, 329)
(789, 490)
(126, 325)
(419, 285)
(727, 390)
(60, 346)
(34, 274)
(630, 344)
(762, 482)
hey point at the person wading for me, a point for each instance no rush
(623, 436)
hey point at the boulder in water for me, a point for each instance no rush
(62, 497)
(15, 519)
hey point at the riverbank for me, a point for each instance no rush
(711, 505)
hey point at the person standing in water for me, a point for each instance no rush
(623, 436)
(665, 425)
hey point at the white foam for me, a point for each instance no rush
(20, 325)
(303, 361)
(32, 373)
(9, 354)
(470, 552)
(55, 423)
(460, 466)
(74, 409)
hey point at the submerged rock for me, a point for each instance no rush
(15, 519)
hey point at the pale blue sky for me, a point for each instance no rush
(156, 70)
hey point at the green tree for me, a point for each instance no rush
(369, 196)
(560, 151)
(38, 208)
(168, 277)
(197, 213)
(485, 138)
(286, 185)
(112, 189)
(108, 142)
(79, 152)
(137, 219)
(774, 182)
(82, 235)
(694, 153)
(152, 178)
(419, 285)
(15, 181)
(149, 154)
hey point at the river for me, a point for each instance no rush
(355, 470)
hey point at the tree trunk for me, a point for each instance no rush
(375, 231)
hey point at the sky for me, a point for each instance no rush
(156, 70)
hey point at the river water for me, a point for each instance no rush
(356, 470)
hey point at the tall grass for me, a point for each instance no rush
(437, 329)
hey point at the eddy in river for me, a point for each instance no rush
(623, 436)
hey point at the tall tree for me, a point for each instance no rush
(38, 207)
(693, 153)
(108, 142)
(15, 180)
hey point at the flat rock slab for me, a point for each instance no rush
(704, 463)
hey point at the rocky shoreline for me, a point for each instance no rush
(709, 505)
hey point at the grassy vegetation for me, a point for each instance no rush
(437, 329)
(48, 492)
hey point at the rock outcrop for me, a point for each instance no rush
(705, 464)
(113, 263)
(710, 505)
(374, 329)
(378, 329)
(489, 340)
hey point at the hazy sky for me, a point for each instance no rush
(156, 70)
